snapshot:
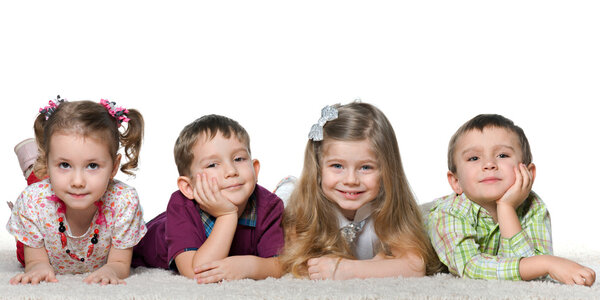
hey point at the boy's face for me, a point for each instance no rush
(485, 162)
(228, 161)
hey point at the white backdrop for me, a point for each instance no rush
(272, 65)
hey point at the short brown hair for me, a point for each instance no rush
(209, 125)
(482, 121)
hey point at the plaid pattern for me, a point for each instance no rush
(248, 217)
(468, 241)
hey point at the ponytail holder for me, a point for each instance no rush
(328, 113)
(52, 106)
(117, 112)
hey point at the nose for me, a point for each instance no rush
(351, 178)
(230, 170)
(490, 165)
(77, 179)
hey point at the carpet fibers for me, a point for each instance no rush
(160, 284)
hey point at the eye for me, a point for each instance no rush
(503, 155)
(367, 168)
(211, 165)
(64, 165)
(336, 166)
(473, 158)
(239, 159)
(93, 166)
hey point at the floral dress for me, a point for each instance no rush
(34, 221)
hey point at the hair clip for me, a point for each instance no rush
(119, 113)
(52, 106)
(328, 113)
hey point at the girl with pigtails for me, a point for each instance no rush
(75, 217)
(352, 214)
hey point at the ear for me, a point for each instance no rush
(454, 183)
(531, 168)
(116, 166)
(256, 165)
(186, 187)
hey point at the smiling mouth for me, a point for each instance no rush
(350, 194)
(490, 180)
(233, 187)
(77, 195)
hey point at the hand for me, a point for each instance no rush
(325, 267)
(210, 199)
(520, 190)
(229, 268)
(570, 272)
(38, 273)
(104, 276)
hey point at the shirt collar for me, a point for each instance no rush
(247, 218)
(361, 214)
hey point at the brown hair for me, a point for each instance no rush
(310, 231)
(89, 118)
(481, 122)
(209, 125)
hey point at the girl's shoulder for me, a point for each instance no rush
(37, 192)
(120, 193)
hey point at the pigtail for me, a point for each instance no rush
(40, 168)
(131, 140)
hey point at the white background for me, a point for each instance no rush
(272, 65)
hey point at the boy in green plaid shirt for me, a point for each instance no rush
(493, 226)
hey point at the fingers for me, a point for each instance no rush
(587, 277)
(204, 267)
(25, 278)
(211, 275)
(103, 279)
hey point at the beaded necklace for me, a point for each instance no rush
(63, 241)
(62, 208)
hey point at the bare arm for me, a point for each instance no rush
(408, 265)
(239, 267)
(218, 243)
(37, 267)
(115, 270)
(561, 269)
(506, 207)
(216, 246)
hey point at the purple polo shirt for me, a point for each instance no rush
(181, 229)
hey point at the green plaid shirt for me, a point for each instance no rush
(468, 241)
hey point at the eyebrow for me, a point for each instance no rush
(475, 148)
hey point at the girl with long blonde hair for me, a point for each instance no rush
(352, 214)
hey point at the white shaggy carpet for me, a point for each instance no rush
(160, 284)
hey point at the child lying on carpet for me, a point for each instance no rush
(220, 224)
(493, 226)
(79, 219)
(352, 214)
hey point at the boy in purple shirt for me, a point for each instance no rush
(220, 224)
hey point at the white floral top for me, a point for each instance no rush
(34, 222)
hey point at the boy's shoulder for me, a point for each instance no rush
(453, 204)
(267, 201)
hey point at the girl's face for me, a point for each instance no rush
(350, 174)
(80, 169)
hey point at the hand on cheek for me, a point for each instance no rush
(520, 190)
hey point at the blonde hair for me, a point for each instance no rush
(310, 230)
(209, 125)
(89, 118)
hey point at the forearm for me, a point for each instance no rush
(534, 267)
(35, 258)
(261, 268)
(508, 220)
(218, 243)
(381, 266)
